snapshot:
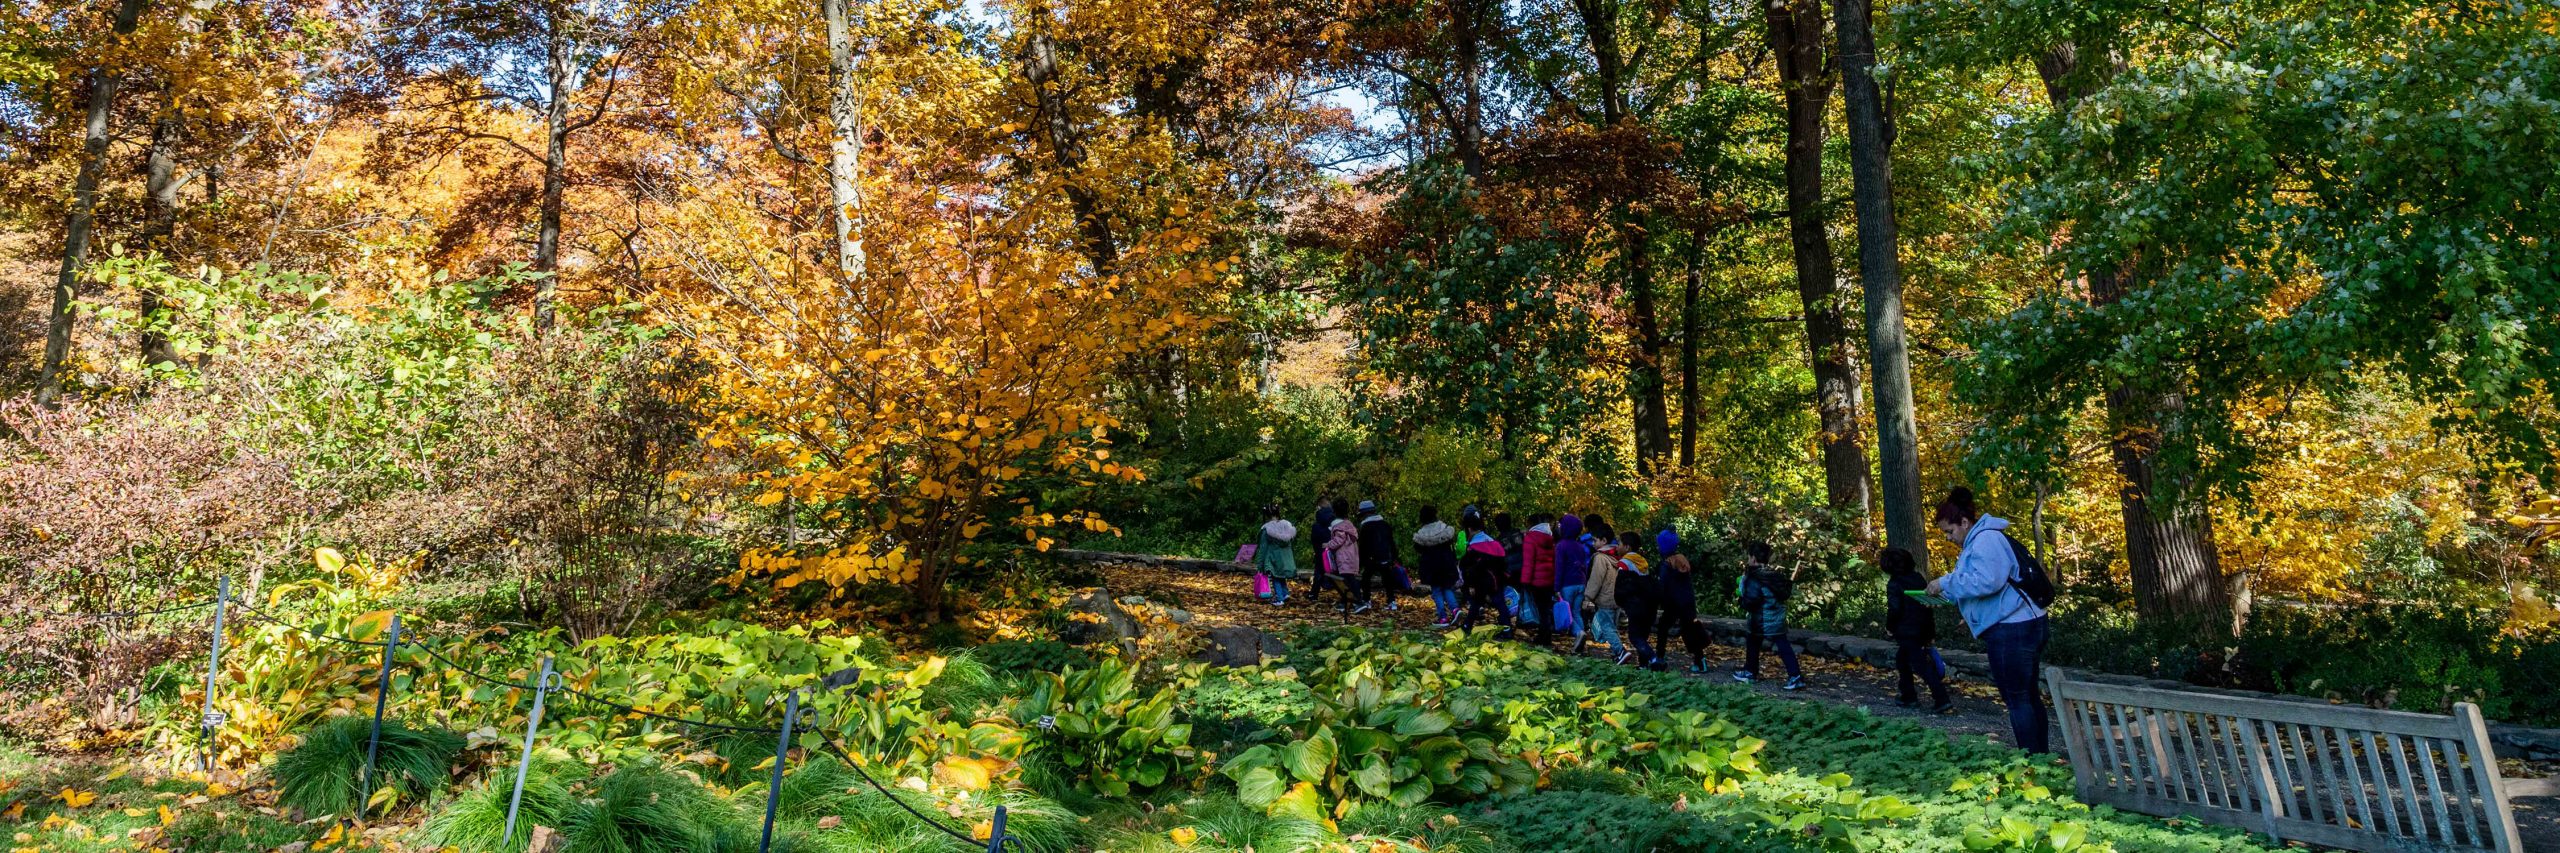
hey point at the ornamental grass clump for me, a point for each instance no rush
(324, 774)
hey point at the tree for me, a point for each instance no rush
(1796, 39)
(81, 218)
(1880, 270)
(569, 64)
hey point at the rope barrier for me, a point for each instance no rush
(746, 730)
(856, 767)
(262, 616)
(135, 614)
(1005, 840)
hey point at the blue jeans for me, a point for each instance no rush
(2016, 650)
(1279, 590)
(1444, 602)
(1572, 597)
(1604, 628)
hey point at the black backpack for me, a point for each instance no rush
(1781, 588)
(2031, 581)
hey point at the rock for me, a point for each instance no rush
(1241, 645)
(1113, 624)
(545, 840)
(1177, 615)
(296, 847)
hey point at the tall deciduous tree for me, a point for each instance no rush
(104, 80)
(1880, 271)
(563, 64)
(1797, 40)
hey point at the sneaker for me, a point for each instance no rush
(1391, 606)
(1945, 709)
(1744, 676)
(1906, 702)
(1699, 668)
(1623, 656)
(1795, 683)
(1363, 608)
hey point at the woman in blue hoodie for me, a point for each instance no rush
(1573, 570)
(2012, 628)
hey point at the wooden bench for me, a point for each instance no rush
(2344, 776)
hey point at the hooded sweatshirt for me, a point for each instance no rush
(1342, 548)
(1979, 584)
(1538, 558)
(1435, 556)
(1573, 558)
(1377, 544)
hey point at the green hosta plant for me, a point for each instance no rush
(2026, 836)
(1575, 724)
(1112, 736)
(1368, 739)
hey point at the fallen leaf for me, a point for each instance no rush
(830, 822)
(1184, 835)
(76, 798)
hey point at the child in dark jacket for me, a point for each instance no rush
(1507, 534)
(1914, 631)
(1764, 592)
(1639, 596)
(1679, 602)
(1480, 569)
(1435, 553)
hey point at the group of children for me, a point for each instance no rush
(1570, 575)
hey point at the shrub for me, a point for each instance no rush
(324, 774)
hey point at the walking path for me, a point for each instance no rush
(1228, 598)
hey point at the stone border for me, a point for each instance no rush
(2512, 741)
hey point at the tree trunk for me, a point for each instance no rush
(1689, 349)
(1653, 426)
(1469, 134)
(2168, 525)
(555, 167)
(1652, 423)
(159, 226)
(82, 217)
(844, 117)
(1880, 270)
(1796, 38)
(1066, 147)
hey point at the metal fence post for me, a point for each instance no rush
(781, 753)
(213, 668)
(541, 687)
(995, 838)
(381, 699)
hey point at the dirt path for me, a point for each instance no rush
(1228, 598)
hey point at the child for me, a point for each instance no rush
(1679, 603)
(1764, 591)
(1639, 595)
(1274, 554)
(1434, 550)
(1538, 577)
(1342, 557)
(1480, 571)
(1573, 570)
(1914, 631)
(1599, 600)
(1507, 534)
